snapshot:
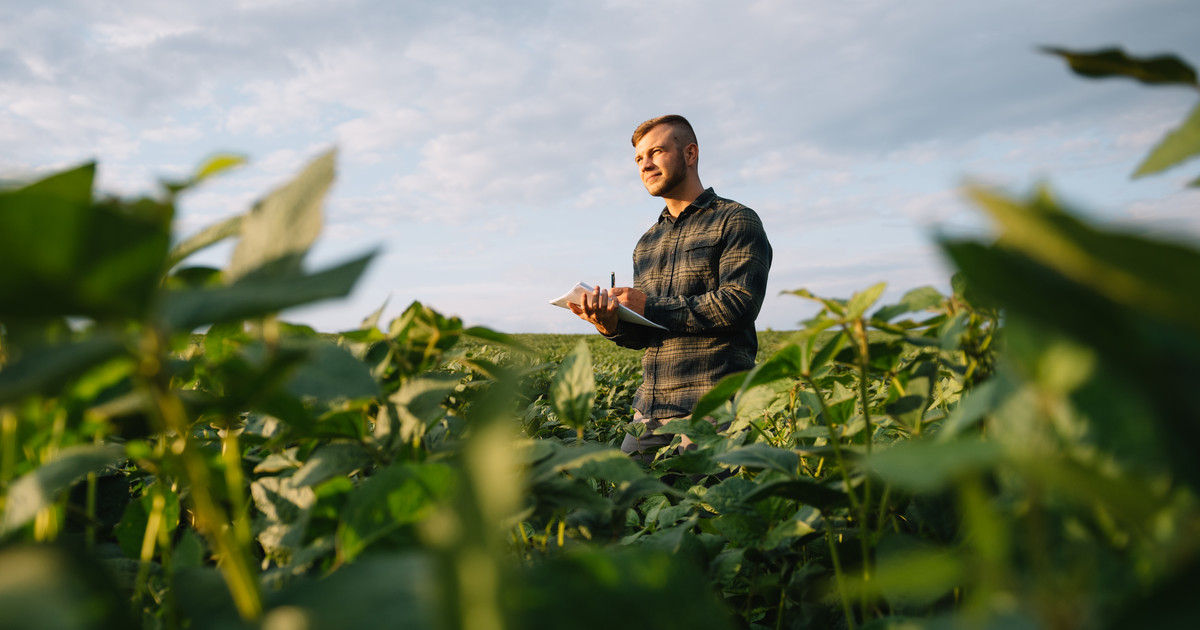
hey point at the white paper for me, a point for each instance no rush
(574, 296)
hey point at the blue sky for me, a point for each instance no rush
(485, 145)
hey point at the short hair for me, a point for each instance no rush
(684, 135)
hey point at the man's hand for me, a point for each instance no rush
(633, 299)
(599, 308)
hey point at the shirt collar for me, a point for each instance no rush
(701, 203)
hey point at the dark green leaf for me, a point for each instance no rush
(46, 370)
(721, 393)
(392, 499)
(1113, 62)
(919, 382)
(601, 589)
(882, 356)
(41, 488)
(255, 297)
(1170, 602)
(1156, 276)
(923, 466)
(914, 301)
(785, 363)
(131, 531)
(61, 254)
(331, 460)
(54, 588)
(609, 465)
(331, 374)
(804, 491)
(762, 456)
(395, 587)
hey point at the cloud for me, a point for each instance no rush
(468, 128)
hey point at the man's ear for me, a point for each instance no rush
(691, 153)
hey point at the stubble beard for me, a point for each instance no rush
(668, 181)
(665, 183)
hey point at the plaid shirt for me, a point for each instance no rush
(705, 276)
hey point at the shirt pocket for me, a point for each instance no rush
(699, 265)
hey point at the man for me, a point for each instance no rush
(700, 270)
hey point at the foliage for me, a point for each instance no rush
(1015, 454)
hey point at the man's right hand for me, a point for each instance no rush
(631, 298)
(599, 308)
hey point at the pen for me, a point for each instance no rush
(614, 279)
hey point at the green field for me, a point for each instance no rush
(1019, 453)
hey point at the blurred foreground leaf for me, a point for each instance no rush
(1113, 62)
(573, 389)
(40, 488)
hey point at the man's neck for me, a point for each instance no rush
(679, 199)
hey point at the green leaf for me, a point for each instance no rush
(601, 589)
(1113, 62)
(255, 296)
(721, 393)
(573, 388)
(609, 465)
(217, 164)
(330, 374)
(505, 340)
(371, 322)
(804, 491)
(911, 573)
(1170, 601)
(210, 235)
(863, 300)
(41, 488)
(390, 500)
(61, 254)
(331, 460)
(914, 301)
(882, 356)
(831, 348)
(762, 456)
(923, 466)
(46, 370)
(52, 587)
(418, 404)
(835, 307)
(285, 509)
(566, 459)
(395, 587)
(919, 385)
(1178, 146)
(1156, 276)
(131, 531)
(785, 363)
(284, 224)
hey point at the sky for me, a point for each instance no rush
(484, 147)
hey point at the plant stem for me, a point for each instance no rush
(860, 337)
(232, 559)
(8, 450)
(835, 442)
(841, 580)
(234, 481)
(149, 539)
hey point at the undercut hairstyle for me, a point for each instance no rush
(683, 133)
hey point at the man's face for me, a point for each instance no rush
(660, 160)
